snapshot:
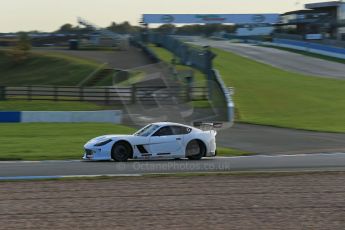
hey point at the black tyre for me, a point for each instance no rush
(195, 150)
(121, 152)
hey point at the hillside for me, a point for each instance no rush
(271, 96)
(44, 69)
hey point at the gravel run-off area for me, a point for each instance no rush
(232, 201)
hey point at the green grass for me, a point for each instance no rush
(43, 141)
(134, 78)
(271, 96)
(324, 57)
(228, 152)
(96, 48)
(106, 81)
(22, 105)
(201, 104)
(54, 141)
(44, 68)
(167, 56)
(162, 53)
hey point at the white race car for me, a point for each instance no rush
(156, 140)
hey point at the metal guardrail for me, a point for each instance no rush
(289, 36)
(187, 54)
(154, 58)
(311, 47)
(325, 41)
(202, 60)
(123, 95)
(227, 92)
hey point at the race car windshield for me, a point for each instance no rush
(146, 131)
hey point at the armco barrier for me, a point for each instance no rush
(324, 41)
(188, 55)
(202, 60)
(106, 116)
(310, 47)
(230, 106)
(154, 58)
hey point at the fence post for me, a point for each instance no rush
(189, 87)
(107, 96)
(29, 93)
(81, 96)
(55, 93)
(205, 93)
(2, 93)
(189, 93)
(134, 89)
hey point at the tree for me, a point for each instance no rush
(122, 28)
(167, 29)
(21, 51)
(24, 42)
(66, 28)
(125, 27)
(207, 29)
(210, 29)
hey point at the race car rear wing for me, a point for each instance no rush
(206, 126)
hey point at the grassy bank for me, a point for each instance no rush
(44, 69)
(51, 141)
(167, 56)
(271, 96)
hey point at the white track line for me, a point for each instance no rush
(67, 176)
(218, 157)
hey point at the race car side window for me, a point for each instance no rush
(180, 130)
(164, 131)
(147, 130)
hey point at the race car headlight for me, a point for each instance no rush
(103, 142)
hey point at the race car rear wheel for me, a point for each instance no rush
(195, 150)
(121, 151)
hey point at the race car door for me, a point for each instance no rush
(165, 142)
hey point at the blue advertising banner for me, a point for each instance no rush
(211, 18)
(10, 116)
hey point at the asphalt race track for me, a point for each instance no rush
(27, 169)
(282, 59)
(273, 141)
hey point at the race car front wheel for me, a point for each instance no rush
(195, 150)
(120, 152)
